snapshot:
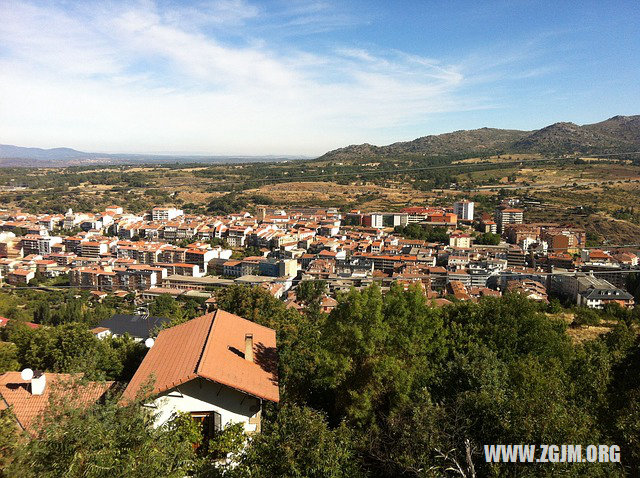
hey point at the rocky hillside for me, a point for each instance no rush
(620, 133)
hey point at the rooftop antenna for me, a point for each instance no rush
(26, 374)
(149, 343)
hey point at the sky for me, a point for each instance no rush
(241, 77)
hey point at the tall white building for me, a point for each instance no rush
(464, 210)
(508, 215)
(165, 213)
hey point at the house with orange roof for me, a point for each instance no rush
(219, 368)
(328, 304)
(458, 290)
(28, 399)
(440, 302)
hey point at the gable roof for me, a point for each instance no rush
(15, 393)
(211, 347)
(134, 325)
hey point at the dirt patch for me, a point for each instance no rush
(587, 332)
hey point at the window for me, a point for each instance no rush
(211, 423)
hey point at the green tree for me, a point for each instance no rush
(42, 313)
(305, 446)
(8, 357)
(310, 293)
(166, 306)
(377, 350)
(72, 311)
(487, 238)
(106, 440)
(425, 233)
(8, 439)
(71, 348)
(586, 316)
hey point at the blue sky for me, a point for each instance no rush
(295, 77)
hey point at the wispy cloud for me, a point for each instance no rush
(148, 77)
(230, 13)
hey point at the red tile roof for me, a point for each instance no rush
(4, 321)
(211, 347)
(26, 407)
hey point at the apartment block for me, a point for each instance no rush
(165, 213)
(464, 210)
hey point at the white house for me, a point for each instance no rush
(219, 368)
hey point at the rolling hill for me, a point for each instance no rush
(617, 134)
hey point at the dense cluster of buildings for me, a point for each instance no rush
(167, 251)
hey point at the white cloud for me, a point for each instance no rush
(147, 78)
(203, 13)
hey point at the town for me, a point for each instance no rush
(465, 255)
(319, 239)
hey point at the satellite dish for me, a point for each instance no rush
(26, 374)
(149, 342)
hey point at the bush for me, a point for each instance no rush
(586, 316)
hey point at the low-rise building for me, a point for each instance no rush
(20, 276)
(597, 298)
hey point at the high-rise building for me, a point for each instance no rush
(508, 215)
(464, 210)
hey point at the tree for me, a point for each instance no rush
(73, 310)
(376, 350)
(166, 306)
(8, 439)
(310, 293)
(8, 357)
(305, 446)
(487, 238)
(227, 204)
(246, 252)
(586, 316)
(38, 278)
(425, 233)
(72, 348)
(106, 440)
(42, 313)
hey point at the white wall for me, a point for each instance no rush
(201, 395)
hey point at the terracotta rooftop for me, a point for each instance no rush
(211, 347)
(4, 321)
(16, 393)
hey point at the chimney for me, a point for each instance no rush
(38, 383)
(248, 347)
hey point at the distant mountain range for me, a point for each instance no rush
(16, 156)
(617, 134)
